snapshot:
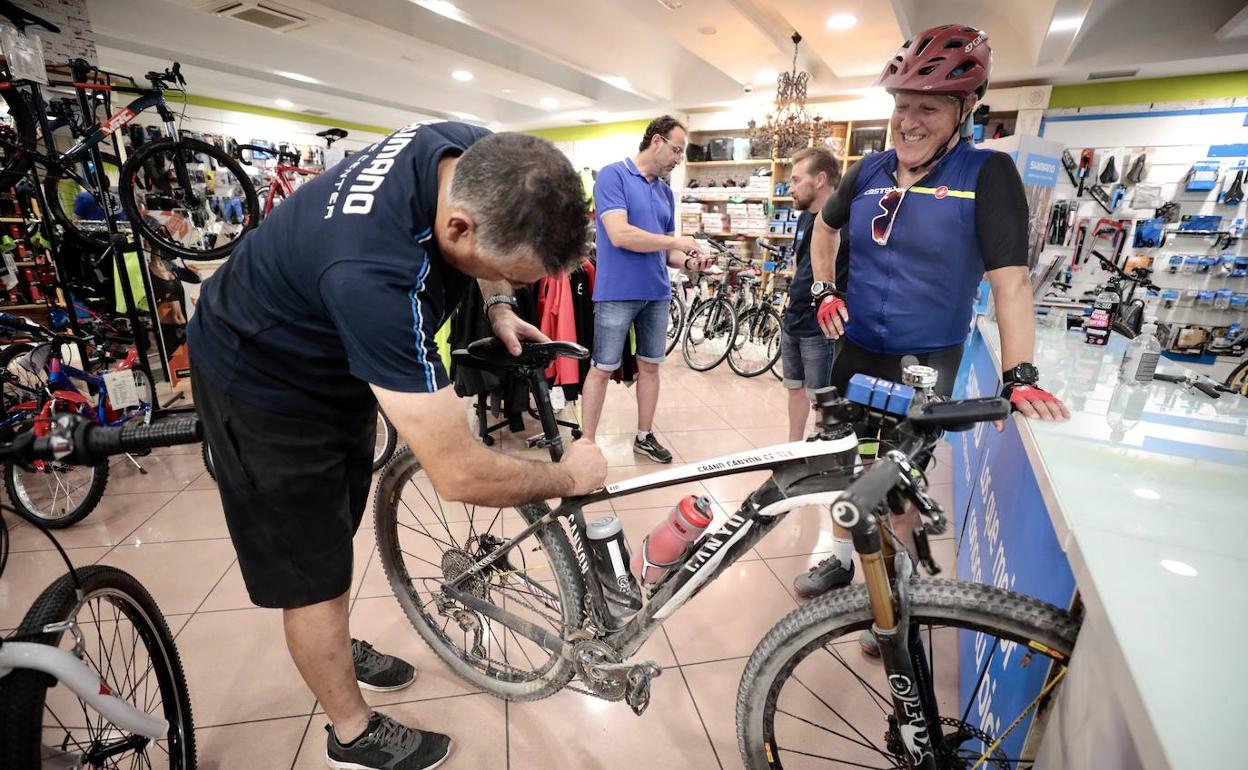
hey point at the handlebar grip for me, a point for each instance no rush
(136, 437)
(871, 488)
(1207, 387)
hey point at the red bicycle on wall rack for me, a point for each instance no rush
(286, 176)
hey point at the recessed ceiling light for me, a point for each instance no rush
(462, 75)
(841, 21)
(1179, 568)
(1066, 23)
(549, 102)
(441, 8)
(297, 76)
(284, 103)
(707, 30)
(765, 76)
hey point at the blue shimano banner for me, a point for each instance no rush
(1005, 539)
(1040, 170)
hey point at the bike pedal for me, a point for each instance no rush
(639, 677)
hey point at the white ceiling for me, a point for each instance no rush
(386, 62)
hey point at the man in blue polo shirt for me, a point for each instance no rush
(636, 243)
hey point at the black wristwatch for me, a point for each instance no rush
(1023, 374)
(501, 299)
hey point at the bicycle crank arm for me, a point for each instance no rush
(528, 630)
(75, 675)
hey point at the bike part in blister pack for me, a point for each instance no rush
(608, 551)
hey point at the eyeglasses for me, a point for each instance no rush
(678, 150)
(882, 224)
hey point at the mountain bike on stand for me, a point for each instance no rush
(519, 610)
(96, 632)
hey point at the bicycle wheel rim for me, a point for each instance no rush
(54, 493)
(829, 704)
(383, 445)
(189, 198)
(135, 666)
(63, 187)
(432, 544)
(757, 345)
(709, 335)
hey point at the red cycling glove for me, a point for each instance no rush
(829, 308)
(1016, 394)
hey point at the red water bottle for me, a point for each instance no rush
(671, 539)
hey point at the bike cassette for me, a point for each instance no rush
(456, 562)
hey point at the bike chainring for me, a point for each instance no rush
(588, 657)
(952, 754)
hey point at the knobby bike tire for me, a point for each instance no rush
(129, 173)
(99, 480)
(23, 692)
(972, 606)
(208, 466)
(676, 317)
(386, 442)
(1237, 380)
(555, 547)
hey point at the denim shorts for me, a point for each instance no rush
(807, 361)
(613, 319)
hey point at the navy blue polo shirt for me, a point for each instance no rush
(650, 206)
(341, 286)
(799, 317)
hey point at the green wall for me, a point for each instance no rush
(592, 131)
(299, 117)
(1216, 86)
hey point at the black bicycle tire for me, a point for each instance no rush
(558, 552)
(389, 442)
(53, 176)
(24, 127)
(741, 323)
(705, 307)
(1237, 380)
(23, 692)
(96, 491)
(127, 188)
(950, 602)
(206, 451)
(677, 302)
(6, 357)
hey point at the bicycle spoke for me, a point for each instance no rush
(878, 699)
(837, 761)
(829, 707)
(980, 680)
(829, 730)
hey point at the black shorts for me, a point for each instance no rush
(851, 359)
(294, 491)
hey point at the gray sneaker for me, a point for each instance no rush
(377, 672)
(652, 448)
(823, 577)
(387, 745)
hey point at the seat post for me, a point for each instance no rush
(546, 412)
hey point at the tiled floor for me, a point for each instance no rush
(251, 709)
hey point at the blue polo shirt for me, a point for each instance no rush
(650, 206)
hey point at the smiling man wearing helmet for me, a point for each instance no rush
(926, 221)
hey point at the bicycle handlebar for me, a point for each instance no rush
(79, 441)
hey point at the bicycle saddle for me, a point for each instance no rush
(332, 133)
(489, 353)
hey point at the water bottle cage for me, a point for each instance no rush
(646, 564)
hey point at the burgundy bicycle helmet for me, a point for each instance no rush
(950, 60)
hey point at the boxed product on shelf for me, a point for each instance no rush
(790, 227)
(714, 223)
(776, 227)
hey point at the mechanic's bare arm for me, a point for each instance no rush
(462, 469)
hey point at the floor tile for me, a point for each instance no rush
(203, 481)
(711, 626)
(476, 723)
(689, 418)
(737, 486)
(229, 594)
(573, 730)
(763, 437)
(699, 445)
(26, 575)
(116, 517)
(714, 686)
(178, 575)
(267, 745)
(165, 473)
(238, 669)
(755, 415)
(193, 514)
(804, 531)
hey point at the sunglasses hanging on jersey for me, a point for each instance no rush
(882, 224)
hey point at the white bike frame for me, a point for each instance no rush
(77, 676)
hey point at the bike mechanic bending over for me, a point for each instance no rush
(330, 308)
(925, 221)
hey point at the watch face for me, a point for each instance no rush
(1026, 373)
(818, 287)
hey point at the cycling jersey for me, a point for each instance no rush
(341, 286)
(914, 294)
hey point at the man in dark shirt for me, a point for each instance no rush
(806, 354)
(330, 308)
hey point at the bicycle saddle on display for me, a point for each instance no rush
(489, 353)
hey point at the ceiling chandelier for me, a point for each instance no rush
(790, 127)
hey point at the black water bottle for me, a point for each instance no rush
(610, 558)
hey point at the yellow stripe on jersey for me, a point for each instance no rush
(955, 193)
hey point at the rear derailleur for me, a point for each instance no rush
(600, 669)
